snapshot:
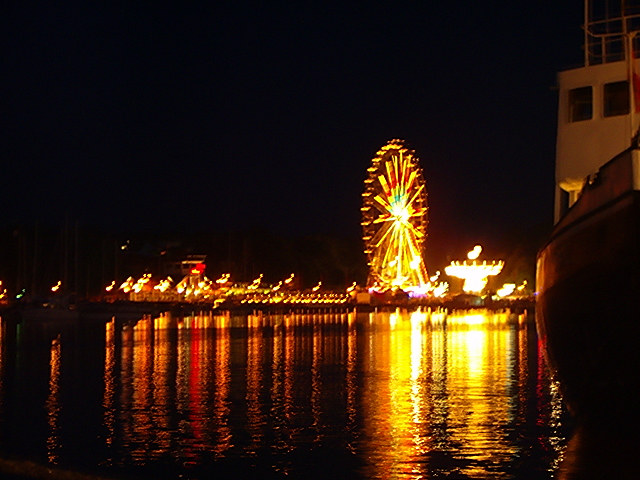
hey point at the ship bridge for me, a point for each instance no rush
(598, 108)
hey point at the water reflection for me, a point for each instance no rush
(108, 402)
(53, 403)
(2, 355)
(385, 394)
(602, 452)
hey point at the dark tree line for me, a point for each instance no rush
(36, 257)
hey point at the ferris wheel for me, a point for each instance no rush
(394, 220)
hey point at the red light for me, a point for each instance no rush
(198, 269)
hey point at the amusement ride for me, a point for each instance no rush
(394, 221)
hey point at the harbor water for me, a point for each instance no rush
(344, 394)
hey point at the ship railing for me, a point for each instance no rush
(604, 39)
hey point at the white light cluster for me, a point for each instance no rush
(474, 273)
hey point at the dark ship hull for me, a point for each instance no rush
(588, 304)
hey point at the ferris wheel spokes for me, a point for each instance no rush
(394, 220)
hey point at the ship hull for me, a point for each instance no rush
(588, 305)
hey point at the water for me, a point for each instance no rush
(339, 395)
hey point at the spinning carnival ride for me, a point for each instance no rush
(394, 221)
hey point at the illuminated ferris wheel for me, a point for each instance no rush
(394, 220)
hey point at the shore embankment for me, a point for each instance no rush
(244, 314)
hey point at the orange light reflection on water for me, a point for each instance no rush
(438, 388)
(140, 392)
(255, 379)
(2, 354)
(53, 403)
(221, 392)
(108, 402)
(399, 386)
(161, 385)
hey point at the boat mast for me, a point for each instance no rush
(586, 33)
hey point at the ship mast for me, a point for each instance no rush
(586, 33)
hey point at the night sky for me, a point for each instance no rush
(212, 117)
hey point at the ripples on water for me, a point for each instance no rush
(385, 395)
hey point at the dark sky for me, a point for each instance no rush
(251, 115)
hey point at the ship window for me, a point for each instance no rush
(580, 104)
(616, 99)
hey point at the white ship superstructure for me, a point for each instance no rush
(597, 114)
